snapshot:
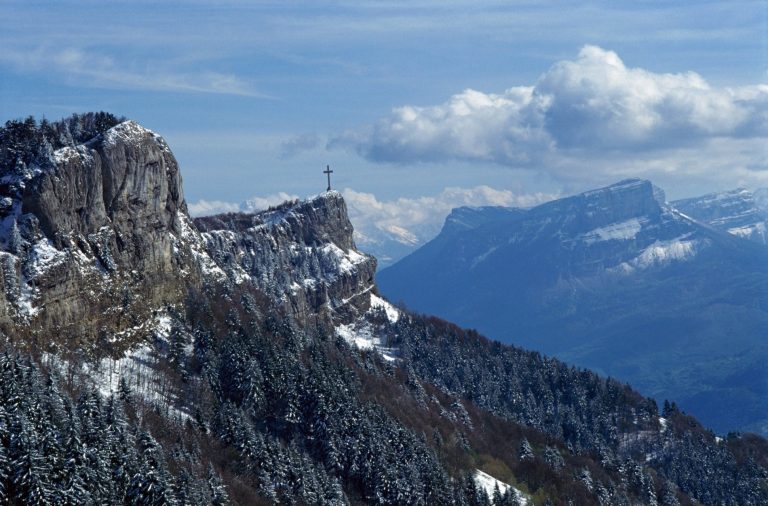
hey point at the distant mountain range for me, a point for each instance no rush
(672, 297)
(738, 212)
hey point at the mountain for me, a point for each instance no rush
(391, 243)
(738, 212)
(615, 280)
(248, 358)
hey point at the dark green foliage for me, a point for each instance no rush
(590, 414)
(55, 452)
(25, 143)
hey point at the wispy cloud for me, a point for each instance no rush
(98, 70)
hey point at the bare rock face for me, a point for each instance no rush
(121, 193)
(97, 239)
(301, 254)
(100, 237)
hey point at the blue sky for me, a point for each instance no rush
(498, 102)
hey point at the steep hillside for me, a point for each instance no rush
(617, 281)
(254, 362)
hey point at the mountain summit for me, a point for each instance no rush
(614, 279)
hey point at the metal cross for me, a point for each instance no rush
(328, 172)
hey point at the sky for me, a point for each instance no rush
(417, 106)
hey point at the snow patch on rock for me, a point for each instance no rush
(622, 231)
(661, 253)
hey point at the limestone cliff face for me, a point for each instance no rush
(98, 239)
(301, 254)
(95, 241)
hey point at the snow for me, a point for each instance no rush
(622, 231)
(346, 261)
(360, 335)
(661, 253)
(138, 367)
(64, 155)
(206, 263)
(392, 313)
(125, 132)
(749, 230)
(400, 234)
(24, 303)
(488, 484)
(42, 257)
(481, 258)
(663, 422)
(356, 295)
(667, 251)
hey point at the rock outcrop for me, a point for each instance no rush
(301, 254)
(99, 237)
(92, 239)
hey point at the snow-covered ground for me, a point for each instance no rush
(361, 333)
(138, 368)
(661, 253)
(622, 231)
(489, 484)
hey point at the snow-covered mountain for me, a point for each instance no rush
(616, 280)
(738, 212)
(248, 358)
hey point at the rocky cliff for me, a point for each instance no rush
(300, 254)
(96, 237)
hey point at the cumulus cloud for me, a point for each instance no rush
(391, 229)
(505, 128)
(211, 207)
(586, 109)
(261, 203)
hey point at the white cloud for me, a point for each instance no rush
(413, 221)
(261, 203)
(391, 229)
(258, 203)
(210, 207)
(591, 115)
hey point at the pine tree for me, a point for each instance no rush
(525, 452)
(15, 241)
(216, 487)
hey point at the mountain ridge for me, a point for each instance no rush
(275, 373)
(585, 277)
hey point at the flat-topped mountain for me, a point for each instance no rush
(616, 280)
